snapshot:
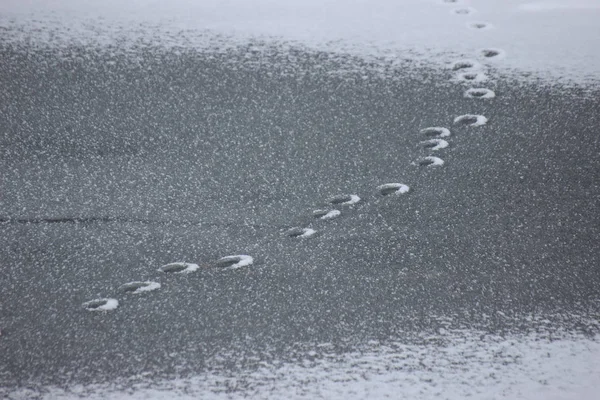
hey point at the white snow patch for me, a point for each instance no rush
(533, 32)
(480, 93)
(436, 131)
(431, 161)
(455, 366)
(437, 144)
(179, 268)
(325, 215)
(240, 261)
(140, 287)
(478, 120)
(101, 304)
(400, 188)
(564, 5)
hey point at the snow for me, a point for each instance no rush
(140, 287)
(480, 93)
(456, 364)
(438, 144)
(106, 304)
(436, 131)
(552, 39)
(478, 120)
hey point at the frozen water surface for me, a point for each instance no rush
(136, 133)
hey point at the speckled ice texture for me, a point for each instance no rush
(137, 133)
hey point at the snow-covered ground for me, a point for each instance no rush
(557, 39)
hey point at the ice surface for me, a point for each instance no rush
(101, 304)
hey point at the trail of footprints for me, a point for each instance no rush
(433, 139)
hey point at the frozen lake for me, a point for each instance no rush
(300, 201)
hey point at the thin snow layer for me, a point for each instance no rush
(550, 38)
(478, 120)
(240, 261)
(453, 365)
(101, 304)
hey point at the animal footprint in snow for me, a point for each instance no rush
(480, 93)
(436, 131)
(139, 287)
(464, 11)
(471, 120)
(179, 268)
(101, 304)
(300, 232)
(393, 188)
(431, 162)
(344, 199)
(479, 25)
(326, 214)
(492, 54)
(434, 144)
(465, 65)
(234, 262)
(475, 77)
